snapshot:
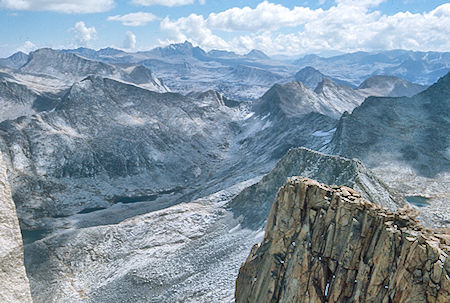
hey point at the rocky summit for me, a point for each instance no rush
(327, 244)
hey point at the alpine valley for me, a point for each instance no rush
(149, 176)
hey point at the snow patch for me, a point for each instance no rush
(265, 117)
(249, 115)
(234, 228)
(320, 133)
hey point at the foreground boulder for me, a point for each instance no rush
(326, 244)
(14, 286)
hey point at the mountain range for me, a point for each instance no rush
(148, 176)
(185, 68)
(419, 67)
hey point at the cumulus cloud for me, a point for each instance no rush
(130, 40)
(163, 2)
(194, 29)
(84, 34)
(349, 25)
(266, 16)
(27, 47)
(134, 19)
(61, 6)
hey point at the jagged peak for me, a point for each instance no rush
(183, 45)
(308, 69)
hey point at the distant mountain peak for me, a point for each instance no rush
(308, 69)
(16, 60)
(185, 45)
(309, 76)
(386, 85)
(83, 49)
(257, 54)
(18, 54)
(179, 49)
(109, 51)
(290, 99)
(312, 77)
(377, 80)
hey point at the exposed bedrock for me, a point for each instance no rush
(327, 244)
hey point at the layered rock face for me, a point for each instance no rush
(326, 244)
(14, 286)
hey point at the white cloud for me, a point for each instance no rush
(27, 47)
(266, 16)
(130, 40)
(84, 34)
(347, 26)
(61, 6)
(163, 2)
(194, 29)
(134, 19)
(361, 3)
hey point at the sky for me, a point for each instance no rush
(285, 27)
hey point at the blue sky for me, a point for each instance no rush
(276, 27)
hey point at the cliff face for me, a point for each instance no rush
(326, 244)
(14, 286)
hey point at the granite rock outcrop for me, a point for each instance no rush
(14, 285)
(327, 244)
